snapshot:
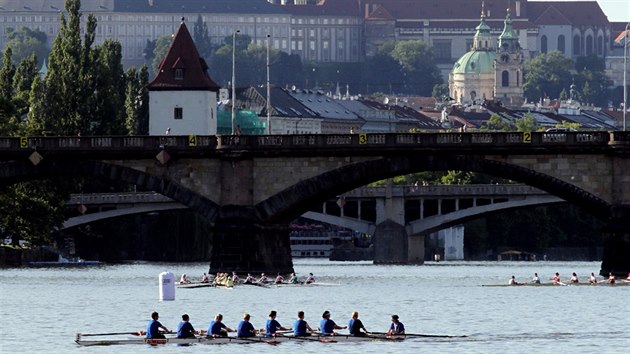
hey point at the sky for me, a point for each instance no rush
(616, 10)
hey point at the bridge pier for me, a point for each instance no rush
(242, 247)
(616, 257)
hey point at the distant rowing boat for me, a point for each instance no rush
(618, 283)
(235, 340)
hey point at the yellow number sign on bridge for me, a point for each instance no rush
(192, 140)
(527, 137)
(23, 142)
(362, 139)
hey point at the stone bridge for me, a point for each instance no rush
(250, 187)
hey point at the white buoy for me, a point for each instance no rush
(167, 286)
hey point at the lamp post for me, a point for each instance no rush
(625, 75)
(268, 90)
(234, 78)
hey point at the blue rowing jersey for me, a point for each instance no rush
(153, 328)
(299, 327)
(327, 326)
(185, 330)
(397, 329)
(270, 327)
(245, 329)
(351, 325)
(215, 327)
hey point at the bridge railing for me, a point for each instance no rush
(320, 141)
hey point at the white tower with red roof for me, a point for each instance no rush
(183, 97)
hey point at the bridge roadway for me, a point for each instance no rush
(250, 187)
(422, 209)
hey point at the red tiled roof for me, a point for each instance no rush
(183, 54)
(576, 12)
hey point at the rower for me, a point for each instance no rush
(513, 281)
(310, 279)
(293, 279)
(204, 278)
(153, 327)
(185, 329)
(327, 326)
(263, 279)
(396, 328)
(355, 325)
(611, 278)
(279, 279)
(574, 279)
(536, 279)
(184, 279)
(250, 279)
(556, 278)
(592, 279)
(300, 327)
(245, 328)
(235, 278)
(217, 328)
(272, 325)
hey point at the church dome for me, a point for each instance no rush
(475, 62)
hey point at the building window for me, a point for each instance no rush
(561, 43)
(179, 74)
(543, 44)
(576, 45)
(589, 45)
(505, 78)
(178, 113)
(600, 45)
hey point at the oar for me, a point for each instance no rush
(138, 333)
(421, 335)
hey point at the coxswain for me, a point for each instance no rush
(611, 278)
(327, 326)
(272, 326)
(217, 328)
(153, 327)
(293, 279)
(593, 279)
(574, 279)
(204, 278)
(263, 279)
(301, 328)
(185, 329)
(536, 279)
(279, 279)
(184, 279)
(397, 327)
(355, 326)
(245, 328)
(310, 279)
(513, 281)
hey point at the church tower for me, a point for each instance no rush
(183, 97)
(508, 67)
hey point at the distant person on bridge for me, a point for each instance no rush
(396, 328)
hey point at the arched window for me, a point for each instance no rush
(576, 45)
(505, 78)
(589, 45)
(561, 43)
(543, 44)
(518, 78)
(600, 45)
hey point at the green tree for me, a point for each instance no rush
(546, 75)
(526, 124)
(109, 93)
(7, 71)
(161, 48)
(496, 123)
(24, 75)
(457, 177)
(26, 42)
(35, 123)
(595, 87)
(420, 73)
(569, 125)
(202, 38)
(137, 101)
(440, 91)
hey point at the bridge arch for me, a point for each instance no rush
(20, 171)
(295, 200)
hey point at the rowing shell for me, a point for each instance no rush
(236, 340)
(618, 283)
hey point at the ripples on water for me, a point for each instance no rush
(43, 309)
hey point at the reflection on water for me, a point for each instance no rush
(437, 298)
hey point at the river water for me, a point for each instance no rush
(42, 309)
